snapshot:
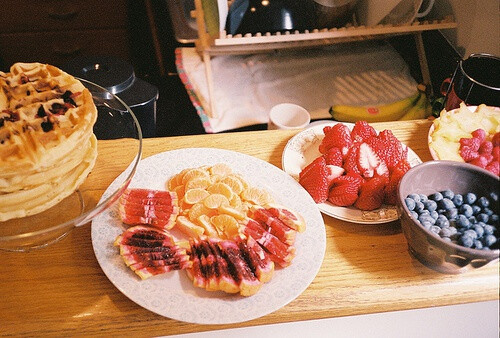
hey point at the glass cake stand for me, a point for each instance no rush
(116, 125)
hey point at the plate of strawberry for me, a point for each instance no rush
(351, 171)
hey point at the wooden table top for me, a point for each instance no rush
(61, 290)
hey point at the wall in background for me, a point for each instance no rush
(478, 22)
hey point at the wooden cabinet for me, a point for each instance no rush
(56, 31)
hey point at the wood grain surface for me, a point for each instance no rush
(60, 290)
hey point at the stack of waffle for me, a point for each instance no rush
(47, 144)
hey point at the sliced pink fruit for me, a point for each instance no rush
(149, 207)
(291, 218)
(274, 225)
(279, 252)
(149, 251)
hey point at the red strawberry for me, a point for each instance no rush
(394, 150)
(468, 154)
(371, 194)
(480, 134)
(362, 131)
(333, 156)
(345, 189)
(338, 136)
(486, 147)
(343, 195)
(351, 159)
(369, 163)
(496, 140)
(494, 167)
(391, 189)
(333, 172)
(318, 162)
(314, 178)
(349, 178)
(471, 142)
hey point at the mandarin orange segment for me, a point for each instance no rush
(236, 202)
(242, 180)
(198, 182)
(234, 183)
(195, 195)
(188, 227)
(199, 209)
(179, 190)
(214, 201)
(176, 180)
(210, 230)
(226, 224)
(225, 209)
(220, 169)
(256, 196)
(193, 173)
(221, 188)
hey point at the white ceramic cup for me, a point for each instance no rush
(374, 12)
(288, 116)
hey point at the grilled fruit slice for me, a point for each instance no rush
(149, 207)
(149, 251)
(232, 266)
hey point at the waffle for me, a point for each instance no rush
(47, 145)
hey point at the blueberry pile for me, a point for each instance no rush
(467, 220)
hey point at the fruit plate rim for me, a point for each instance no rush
(172, 295)
(302, 148)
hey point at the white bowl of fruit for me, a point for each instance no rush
(468, 134)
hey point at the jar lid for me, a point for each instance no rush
(109, 72)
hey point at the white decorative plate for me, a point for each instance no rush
(302, 149)
(172, 295)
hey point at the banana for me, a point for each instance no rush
(388, 112)
(419, 111)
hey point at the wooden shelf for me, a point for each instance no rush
(224, 44)
(247, 43)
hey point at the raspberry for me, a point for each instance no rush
(470, 142)
(371, 194)
(496, 153)
(362, 131)
(479, 134)
(333, 156)
(494, 167)
(314, 178)
(488, 157)
(468, 154)
(496, 140)
(486, 147)
(481, 161)
(338, 136)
